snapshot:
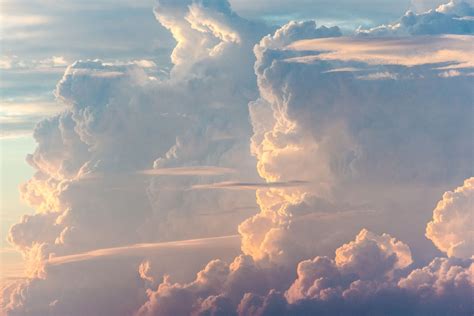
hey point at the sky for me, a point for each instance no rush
(234, 157)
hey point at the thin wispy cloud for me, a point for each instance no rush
(249, 208)
(451, 49)
(188, 171)
(175, 171)
(145, 248)
(231, 185)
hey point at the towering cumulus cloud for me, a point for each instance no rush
(93, 187)
(356, 139)
(361, 121)
(451, 228)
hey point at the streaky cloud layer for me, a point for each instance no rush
(188, 171)
(229, 185)
(445, 52)
(144, 249)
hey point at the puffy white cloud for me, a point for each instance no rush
(455, 17)
(451, 228)
(371, 256)
(213, 25)
(218, 287)
(368, 258)
(327, 286)
(444, 282)
(366, 276)
(457, 7)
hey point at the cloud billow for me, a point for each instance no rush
(353, 140)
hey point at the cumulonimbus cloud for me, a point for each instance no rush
(363, 123)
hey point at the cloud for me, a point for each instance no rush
(118, 120)
(388, 146)
(144, 63)
(390, 51)
(344, 12)
(229, 185)
(364, 277)
(12, 22)
(396, 253)
(324, 286)
(219, 286)
(444, 285)
(457, 7)
(446, 19)
(52, 28)
(300, 130)
(141, 249)
(188, 171)
(19, 117)
(144, 269)
(328, 128)
(451, 227)
(366, 259)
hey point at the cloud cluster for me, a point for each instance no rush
(351, 135)
(233, 288)
(365, 277)
(444, 281)
(350, 116)
(362, 262)
(122, 119)
(219, 286)
(455, 17)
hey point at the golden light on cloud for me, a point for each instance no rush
(454, 50)
(241, 169)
